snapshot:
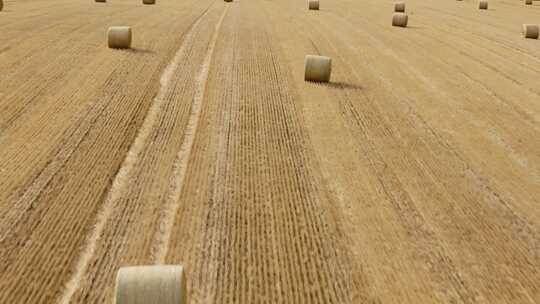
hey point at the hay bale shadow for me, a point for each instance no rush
(139, 51)
(341, 85)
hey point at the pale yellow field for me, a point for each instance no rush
(412, 177)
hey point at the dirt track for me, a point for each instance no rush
(413, 177)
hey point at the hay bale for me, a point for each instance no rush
(483, 4)
(528, 2)
(313, 4)
(101, 1)
(1, 5)
(530, 31)
(399, 7)
(228, 0)
(119, 37)
(165, 284)
(317, 68)
(149, 1)
(400, 19)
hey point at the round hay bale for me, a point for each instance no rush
(313, 4)
(483, 4)
(528, 2)
(400, 19)
(165, 284)
(119, 37)
(1, 5)
(530, 31)
(149, 1)
(101, 1)
(228, 0)
(317, 68)
(399, 7)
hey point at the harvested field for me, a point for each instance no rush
(413, 176)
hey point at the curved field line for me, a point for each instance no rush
(167, 220)
(125, 173)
